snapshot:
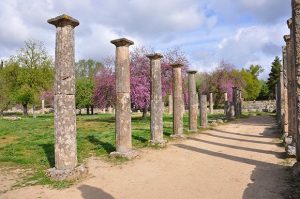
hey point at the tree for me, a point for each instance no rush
(252, 85)
(274, 76)
(86, 70)
(221, 80)
(104, 94)
(28, 74)
(84, 93)
(264, 91)
(4, 92)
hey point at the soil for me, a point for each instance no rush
(243, 159)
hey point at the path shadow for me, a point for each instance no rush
(258, 121)
(238, 139)
(89, 192)
(108, 147)
(280, 155)
(266, 179)
(244, 135)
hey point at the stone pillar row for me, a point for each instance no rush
(288, 87)
(66, 165)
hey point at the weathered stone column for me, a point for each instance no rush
(64, 100)
(240, 102)
(226, 104)
(235, 101)
(64, 93)
(296, 47)
(225, 96)
(277, 103)
(285, 91)
(170, 98)
(123, 102)
(177, 101)
(281, 94)
(156, 125)
(211, 103)
(203, 111)
(289, 139)
(193, 103)
(43, 107)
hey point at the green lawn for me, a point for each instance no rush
(29, 142)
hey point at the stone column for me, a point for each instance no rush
(193, 103)
(226, 104)
(123, 102)
(284, 93)
(211, 103)
(64, 93)
(291, 104)
(64, 100)
(156, 125)
(235, 100)
(170, 98)
(203, 111)
(296, 47)
(177, 101)
(43, 107)
(240, 102)
(294, 79)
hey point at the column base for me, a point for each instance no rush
(67, 174)
(288, 140)
(128, 155)
(160, 143)
(193, 130)
(178, 136)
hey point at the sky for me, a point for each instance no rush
(241, 32)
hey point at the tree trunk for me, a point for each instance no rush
(144, 113)
(92, 110)
(25, 109)
(80, 111)
(87, 110)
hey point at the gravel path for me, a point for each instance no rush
(238, 160)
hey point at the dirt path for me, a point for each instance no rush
(239, 160)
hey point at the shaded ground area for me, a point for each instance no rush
(238, 160)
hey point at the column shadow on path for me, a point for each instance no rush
(238, 139)
(89, 192)
(277, 154)
(263, 177)
(274, 135)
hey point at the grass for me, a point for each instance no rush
(29, 142)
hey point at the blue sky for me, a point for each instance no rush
(242, 32)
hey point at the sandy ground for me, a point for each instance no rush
(238, 160)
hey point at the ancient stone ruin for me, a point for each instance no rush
(64, 101)
(123, 102)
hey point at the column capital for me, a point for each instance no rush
(289, 23)
(63, 20)
(192, 71)
(295, 3)
(122, 42)
(287, 38)
(176, 65)
(284, 49)
(154, 56)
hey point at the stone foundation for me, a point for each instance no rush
(128, 155)
(74, 174)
